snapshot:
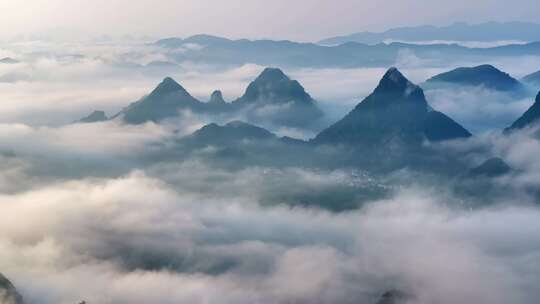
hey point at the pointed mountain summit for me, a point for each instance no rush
(485, 75)
(165, 101)
(530, 118)
(275, 98)
(168, 86)
(395, 113)
(273, 86)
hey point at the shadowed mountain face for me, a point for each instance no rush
(492, 167)
(230, 133)
(395, 113)
(530, 118)
(8, 293)
(272, 98)
(96, 116)
(484, 75)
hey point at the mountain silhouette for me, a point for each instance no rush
(274, 97)
(165, 101)
(486, 75)
(395, 113)
(530, 118)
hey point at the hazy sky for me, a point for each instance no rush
(298, 19)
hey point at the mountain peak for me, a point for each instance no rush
(393, 81)
(165, 101)
(217, 97)
(272, 75)
(275, 97)
(396, 111)
(492, 167)
(167, 85)
(272, 85)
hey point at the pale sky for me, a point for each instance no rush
(304, 20)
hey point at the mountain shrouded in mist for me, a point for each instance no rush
(490, 31)
(529, 118)
(395, 118)
(8, 60)
(396, 111)
(272, 97)
(492, 167)
(165, 101)
(96, 116)
(275, 97)
(206, 49)
(486, 76)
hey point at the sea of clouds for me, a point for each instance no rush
(85, 216)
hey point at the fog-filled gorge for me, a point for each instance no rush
(198, 205)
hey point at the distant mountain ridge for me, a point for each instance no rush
(221, 51)
(485, 75)
(490, 31)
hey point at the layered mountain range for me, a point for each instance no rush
(271, 99)
(221, 51)
(395, 119)
(489, 31)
